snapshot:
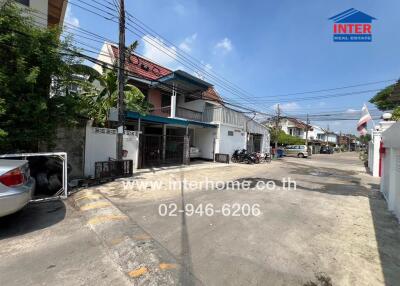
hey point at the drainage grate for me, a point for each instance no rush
(222, 158)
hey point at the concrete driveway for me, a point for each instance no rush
(49, 244)
(335, 224)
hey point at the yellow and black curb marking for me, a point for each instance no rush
(142, 258)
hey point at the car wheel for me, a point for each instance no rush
(300, 155)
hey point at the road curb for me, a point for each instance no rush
(140, 257)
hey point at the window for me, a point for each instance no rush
(165, 100)
(230, 133)
(189, 99)
(23, 2)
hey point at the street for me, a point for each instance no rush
(334, 224)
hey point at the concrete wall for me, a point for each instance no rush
(228, 144)
(101, 145)
(374, 151)
(204, 139)
(71, 141)
(390, 182)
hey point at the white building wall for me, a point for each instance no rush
(196, 105)
(376, 142)
(204, 139)
(100, 145)
(226, 144)
(106, 55)
(40, 6)
(390, 182)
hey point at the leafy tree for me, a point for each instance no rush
(389, 98)
(34, 64)
(37, 69)
(396, 114)
(286, 139)
(365, 138)
(102, 94)
(283, 138)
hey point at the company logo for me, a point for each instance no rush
(352, 26)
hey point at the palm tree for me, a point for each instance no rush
(100, 92)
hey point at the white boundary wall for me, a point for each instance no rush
(390, 183)
(100, 145)
(373, 153)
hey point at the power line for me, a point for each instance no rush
(297, 93)
(182, 60)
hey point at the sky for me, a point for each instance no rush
(268, 48)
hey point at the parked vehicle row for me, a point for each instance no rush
(242, 156)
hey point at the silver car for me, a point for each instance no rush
(300, 151)
(16, 185)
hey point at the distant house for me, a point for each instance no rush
(291, 126)
(185, 107)
(45, 12)
(328, 137)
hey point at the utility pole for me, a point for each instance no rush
(121, 80)
(307, 123)
(349, 141)
(277, 121)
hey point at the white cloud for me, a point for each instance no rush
(208, 67)
(187, 43)
(287, 107)
(225, 45)
(202, 73)
(352, 111)
(156, 50)
(70, 18)
(179, 8)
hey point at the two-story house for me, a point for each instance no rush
(188, 120)
(44, 12)
(291, 126)
(328, 137)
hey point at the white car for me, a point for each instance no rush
(16, 186)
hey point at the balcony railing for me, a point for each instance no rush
(189, 114)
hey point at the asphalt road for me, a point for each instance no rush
(334, 224)
(48, 244)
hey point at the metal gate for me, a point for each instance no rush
(160, 150)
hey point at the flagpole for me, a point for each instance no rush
(373, 123)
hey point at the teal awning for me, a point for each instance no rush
(168, 120)
(186, 83)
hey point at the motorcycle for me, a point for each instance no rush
(242, 156)
(264, 157)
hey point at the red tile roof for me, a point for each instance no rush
(142, 67)
(212, 95)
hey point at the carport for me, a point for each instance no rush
(164, 140)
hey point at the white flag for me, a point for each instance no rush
(362, 123)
